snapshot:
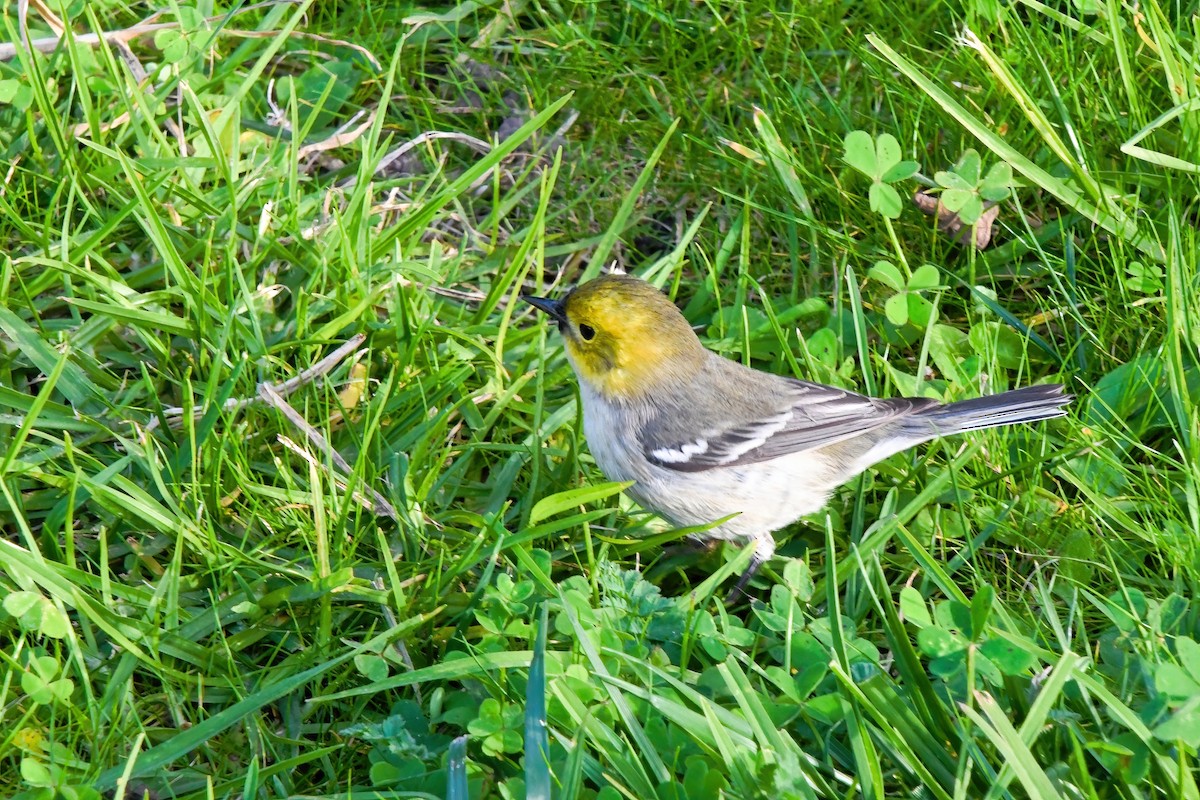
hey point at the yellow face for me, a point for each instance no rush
(623, 336)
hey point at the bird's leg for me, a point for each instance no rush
(762, 554)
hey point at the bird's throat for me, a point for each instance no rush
(637, 369)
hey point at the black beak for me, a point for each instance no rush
(552, 307)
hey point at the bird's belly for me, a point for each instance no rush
(760, 497)
(763, 497)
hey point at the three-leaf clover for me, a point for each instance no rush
(176, 44)
(965, 189)
(499, 725)
(1144, 278)
(42, 685)
(945, 637)
(37, 614)
(1179, 684)
(880, 160)
(16, 93)
(908, 304)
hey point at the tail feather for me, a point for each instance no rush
(1030, 404)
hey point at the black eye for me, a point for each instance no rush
(587, 332)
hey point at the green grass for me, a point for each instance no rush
(213, 590)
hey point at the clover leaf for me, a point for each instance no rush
(37, 614)
(40, 684)
(907, 304)
(965, 189)
(945, 637)
(880, 159)
(15, 93)
(1144, 278)
(499, 725)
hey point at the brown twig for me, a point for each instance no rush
(269, 395)
(143, 78)
(9, 50)
(316, 37)
(341, 137)
(428, 136)
(322, 367)
(377, 503)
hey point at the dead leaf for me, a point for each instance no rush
(979, 234)
(350, 396)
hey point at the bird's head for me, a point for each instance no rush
(624, 337)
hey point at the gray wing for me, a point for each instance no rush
(803, 416)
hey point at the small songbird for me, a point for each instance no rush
(703, 438)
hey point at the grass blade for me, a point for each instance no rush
(456, 770)
(537, 740)
(620, 220)
(1111, 218)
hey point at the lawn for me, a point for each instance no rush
(295, 499)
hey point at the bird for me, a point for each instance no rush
(705, 439)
